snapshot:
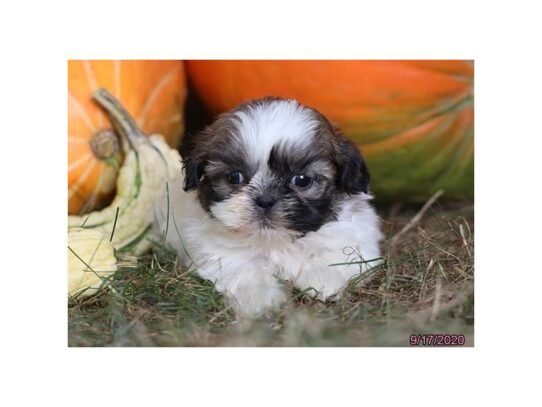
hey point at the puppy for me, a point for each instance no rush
(271, 190)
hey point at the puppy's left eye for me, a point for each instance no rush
(302, 181)
(235, 177)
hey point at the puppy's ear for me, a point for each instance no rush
(193, 172)
(192, 162)
(353, 174)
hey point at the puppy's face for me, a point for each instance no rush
(272, 166)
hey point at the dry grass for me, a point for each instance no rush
(425, 286)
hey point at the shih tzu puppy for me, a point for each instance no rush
(272, 191)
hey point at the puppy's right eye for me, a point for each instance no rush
(235, 177)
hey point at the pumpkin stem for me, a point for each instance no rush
(123, 123)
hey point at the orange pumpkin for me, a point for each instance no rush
(412, 119)
(153, 92)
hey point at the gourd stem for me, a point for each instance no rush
(105, 144)
(130, 133)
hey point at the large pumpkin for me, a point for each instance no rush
(412, 119)
(153, 92)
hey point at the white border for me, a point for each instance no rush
(40, 36)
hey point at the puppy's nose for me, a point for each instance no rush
(265, 201)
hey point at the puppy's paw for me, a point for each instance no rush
(256, 300)
(323, 280)
(323, 284)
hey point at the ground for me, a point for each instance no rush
(425, 286)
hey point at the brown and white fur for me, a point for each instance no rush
(271, 189)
